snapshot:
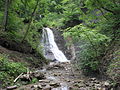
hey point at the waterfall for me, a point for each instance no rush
(51, 50)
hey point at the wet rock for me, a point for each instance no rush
(99, 88)
(38, 75)
(79, 85)
(92, 79)
(37, 87)
(98, 85)
(96, 82)
(57, 74)
(91, 84)
(12, 87)
(71, 88)
(106, 84)
(54, 84)
(78, 81)
(43, 84)
(82, 88)
(104, 89)
(66, 62)
(55, 66)
(51, 78)
(68, 80)
(44, 81)
(34, 86)
(76, 84)
(87, 84)
(47, 88)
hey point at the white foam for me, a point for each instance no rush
(50, 45)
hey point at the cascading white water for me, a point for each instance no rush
(51, 50)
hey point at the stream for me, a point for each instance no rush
(60, 74)
(52, 52)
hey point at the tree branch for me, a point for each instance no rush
(108, 10)
(32, 15)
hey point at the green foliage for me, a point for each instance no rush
(99, 33)
(34, 80)
(1, 17)
(9, 70)
(53, 20)
(92, 45)
(19, 15)
(15, 23)
(114, 68)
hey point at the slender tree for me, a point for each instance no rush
(5, 21)
(31, 18)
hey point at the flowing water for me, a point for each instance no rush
(51, 50)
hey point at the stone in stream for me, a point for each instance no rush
(79, 85)
(55, 66)
(78, 81)
(57, 74)
(98, 85)
(43, 84)
(55, 84)
(92, 79)
(44, 81)
(91, 84)
(38, 87)
(48, 87)
(106, 83)
(71, 88)
(96, 82)
(38, 75)
(68, 80)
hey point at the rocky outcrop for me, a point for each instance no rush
(67, 79)
(62, 44)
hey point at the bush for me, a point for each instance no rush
(9, 70)
(92, 46)
(114, 68)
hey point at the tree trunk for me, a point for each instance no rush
(71, 48)
(32, 15)
(5, 21)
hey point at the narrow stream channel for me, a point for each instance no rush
(52, 52)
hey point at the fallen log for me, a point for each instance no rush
(12, 87)
(18, 77)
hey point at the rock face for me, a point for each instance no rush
(59, 39)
